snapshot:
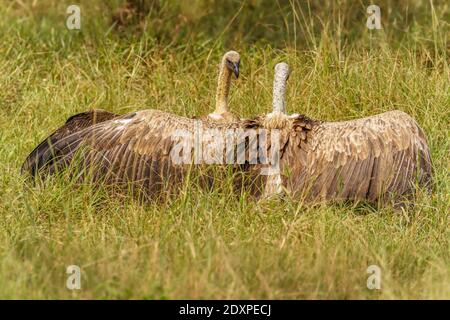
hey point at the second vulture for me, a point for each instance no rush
(376, 158)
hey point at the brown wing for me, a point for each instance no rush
(361, 159)
(75, 123)
(150, 149)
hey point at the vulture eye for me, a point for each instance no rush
(234, 67)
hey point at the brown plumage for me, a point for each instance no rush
(53, 154)
(73, 124)
(371, 158)
(133, 150)
(375, 158)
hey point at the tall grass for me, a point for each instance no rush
(210, 244)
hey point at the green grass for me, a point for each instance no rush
(212, 244)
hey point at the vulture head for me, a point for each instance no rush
(232, 60)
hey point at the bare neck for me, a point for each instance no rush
(279, 94)
(223, 88)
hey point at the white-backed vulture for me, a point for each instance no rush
(229, 65)
(374, 158)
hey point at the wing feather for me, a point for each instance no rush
(362, 159)
(73, 124)
(133, 148)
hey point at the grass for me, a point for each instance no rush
(209, 244)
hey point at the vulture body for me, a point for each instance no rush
(375, 158)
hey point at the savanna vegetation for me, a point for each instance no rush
(211, 244)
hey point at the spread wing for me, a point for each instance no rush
(75, 123)
(361, 159)
(151, 149)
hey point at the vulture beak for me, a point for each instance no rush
(236, 69)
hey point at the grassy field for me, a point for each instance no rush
(212, 244)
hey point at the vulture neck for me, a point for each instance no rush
(279, 93)
(223, 88)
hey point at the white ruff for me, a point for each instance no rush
(275, 114)
(215, 116)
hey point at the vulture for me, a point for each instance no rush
(150, 150)
(372, 159)
(228, 66)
